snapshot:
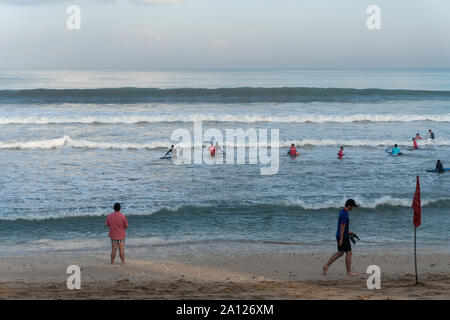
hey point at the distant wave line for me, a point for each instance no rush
(217, 95)
(217, 117)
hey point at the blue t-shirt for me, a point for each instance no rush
(343, 218)
(396, 150)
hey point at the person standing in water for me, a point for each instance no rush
(341, 153)
(117, 224)
(212, 150)
(430, 135)
(343, 239)
(293, 151)
(418, 137)
(439, 167)
(415, 146)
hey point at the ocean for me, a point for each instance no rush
(72, 143)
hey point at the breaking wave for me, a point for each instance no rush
(240, 118)
(83, 143)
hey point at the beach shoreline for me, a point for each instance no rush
(257, 276)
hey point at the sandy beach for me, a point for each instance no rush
(275, 276)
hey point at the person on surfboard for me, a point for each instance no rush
(396, 150)
(170, 151)
(341, 153)
(439, 167)
(293, 151)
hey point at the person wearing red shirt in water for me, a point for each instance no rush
(212, 149)
(341, 153)
(418, 137)
(293, 151)
(117, 224)
(415, 144)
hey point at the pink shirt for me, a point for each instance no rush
(117, 223)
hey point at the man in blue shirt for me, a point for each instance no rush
(396, 150)
(343, 239)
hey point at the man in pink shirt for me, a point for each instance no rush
(117, 224)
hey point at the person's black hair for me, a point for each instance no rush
(117, 206)
(351, 202)
(395, 145)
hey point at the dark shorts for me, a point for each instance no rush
(345, 245)
(117, 242)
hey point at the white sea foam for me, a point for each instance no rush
(298, 203)
(362, 202)
(240, 118)
(84, 143)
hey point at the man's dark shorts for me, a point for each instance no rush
(345, 245)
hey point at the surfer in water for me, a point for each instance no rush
(212, 150)
(418, 137)
(396, 150)
(439, 167)
(341, 153)
(415, 146)
(293, 151)
(430, 135)
(170, 151)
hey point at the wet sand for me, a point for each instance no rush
(275, 276)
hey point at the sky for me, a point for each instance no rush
(172, 34)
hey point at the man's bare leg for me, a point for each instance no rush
(333, 258)
(348, 263)
(122, 252)
(113, 252)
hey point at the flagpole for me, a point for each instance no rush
(416, 221)
(415, 254)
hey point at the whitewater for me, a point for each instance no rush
(68, 153)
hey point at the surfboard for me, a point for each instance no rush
(166, 157)
(434, 170)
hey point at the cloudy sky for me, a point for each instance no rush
(154, 34)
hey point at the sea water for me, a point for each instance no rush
(72, 143)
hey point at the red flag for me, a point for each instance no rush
(416, 205)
